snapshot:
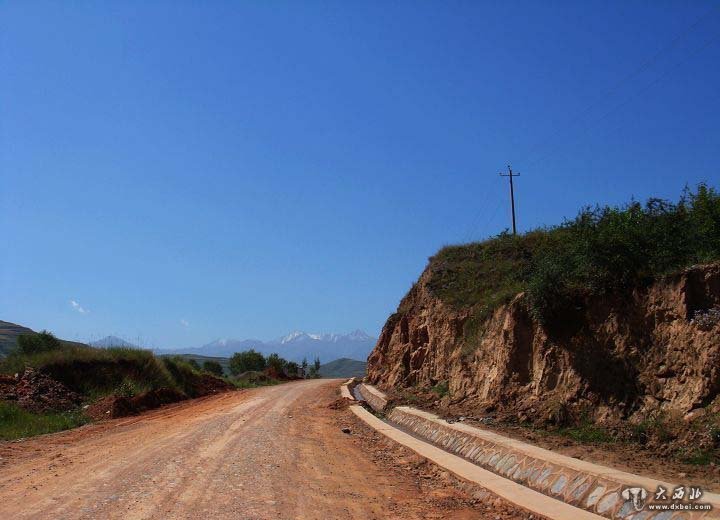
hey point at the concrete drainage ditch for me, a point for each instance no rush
(586, 486)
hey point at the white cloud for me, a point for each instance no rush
(184, 323)
(78, 307)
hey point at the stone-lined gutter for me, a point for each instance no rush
(374, 397)
(345, 389)
(519, 495)
(594, 488)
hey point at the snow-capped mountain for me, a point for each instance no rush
(299, 336)
(295, 346)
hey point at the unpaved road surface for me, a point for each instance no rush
(274, 452)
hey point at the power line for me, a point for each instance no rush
(510, 175)
(476, 220)
(644, 89)
(615, 87)
(611, 90)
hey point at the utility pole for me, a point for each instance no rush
(512, 194)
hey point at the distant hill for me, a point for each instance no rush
(343, 367)
(9, 333)
(112, 341)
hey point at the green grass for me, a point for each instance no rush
(224, 361)
(603, 250)
(701, 457)
(587, 432)
(94, 372)
(441, 389)
(16, 423)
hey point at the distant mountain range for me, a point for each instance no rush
(294, 346)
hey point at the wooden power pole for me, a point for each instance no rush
(510, 174)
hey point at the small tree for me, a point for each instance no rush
(248, 360)
(276, 363)
(314, 372)
(193, 363)
(213, 367)
(292, 369)
(44, 341)
(304, 367)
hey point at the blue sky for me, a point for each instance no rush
(191, 170)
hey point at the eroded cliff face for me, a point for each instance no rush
(623, 357)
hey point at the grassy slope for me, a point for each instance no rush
(94, 373)
(224, 362)
(343, 367)
(601, 251)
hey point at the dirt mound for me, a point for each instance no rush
(341, 404)
(252, 376)
(113, 406)
(37, 392)
(207, 384)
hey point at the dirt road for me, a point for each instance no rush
(274, 452)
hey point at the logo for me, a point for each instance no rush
(680, 498)
(638, 496)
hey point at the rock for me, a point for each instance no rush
(345, 430)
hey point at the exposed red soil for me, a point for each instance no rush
(36, 392)
(113, 406)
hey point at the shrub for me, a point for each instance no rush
(292, 369)
(249, 360)
(441, 389)
(184, 376)
(602, 250)
(213, 367)
(314, 372)
(276, 364)
(94, 371)
(29, 344)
